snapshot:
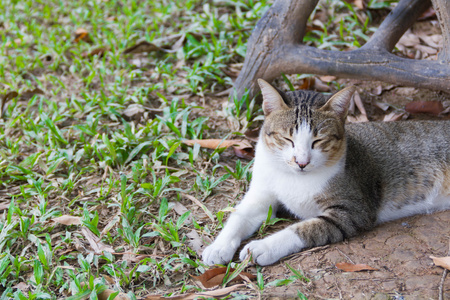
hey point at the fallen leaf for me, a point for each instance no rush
(430, 107)
(218, 143)
(327, 78)
(441, 261)
(195, 242)
(28, 94)
(393, 116)
(408, 39)
(382, 105)
(97, 51)
(320, 86)
(82, 34)
(67, 220)
(22, 286)
(360, 4)
(217, 294)
(4, 206)
(95, 242)
(307, 83)
(349, 267)
(133, 112)
(377, 90)
(8, 96)
(356, 99)
(405, 91)
(144, 46)
(106, 293)
(214, 277)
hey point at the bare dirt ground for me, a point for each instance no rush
(400, 251)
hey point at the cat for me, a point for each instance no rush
(340, 180)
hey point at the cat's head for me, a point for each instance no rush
(303, 129)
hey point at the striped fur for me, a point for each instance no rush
(340, 180)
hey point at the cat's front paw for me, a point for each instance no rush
(271, 249)
(219, 253)
(262, 253)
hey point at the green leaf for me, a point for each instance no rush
(136, 150)
(55, 130)
(182, 219)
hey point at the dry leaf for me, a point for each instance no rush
(430, 107)
(67, 220)
(106, 293)
(97, 51)
(95, 242)
(195, 242)
(217, 294)
(133, 112)
(242, 148)
(307, 83)
(377, 91)
(142, 47)
(356, 99)
(4, 206)
(214, 277)
(218, 143)
(28, 94)
(393, 116)
(441, 261)
(145, 46)
(320, 86)
(349, 267)
(8, 96)
(382, 105)
(360, 4)
(22, 286)
(82, 34)
(327, 78)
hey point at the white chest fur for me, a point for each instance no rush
(295, 190)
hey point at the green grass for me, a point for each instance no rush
(67, 146)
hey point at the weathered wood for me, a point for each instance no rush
(283, 24)
(396, 23)
(275, 47)
(442, 8)
(366, 65)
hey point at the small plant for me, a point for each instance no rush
(270, 220)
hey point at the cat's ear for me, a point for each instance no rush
(272, 100)
(340, 102)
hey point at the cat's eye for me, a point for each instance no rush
(315, 143)
(289, 140)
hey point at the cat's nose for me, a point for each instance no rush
(302, 164)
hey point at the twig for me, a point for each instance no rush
(444, 274)
(202, 206)
(345, 255)
(441, 285)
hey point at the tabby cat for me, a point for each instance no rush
(339, 180)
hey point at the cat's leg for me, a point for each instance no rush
(242, 223)
(331, 227)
